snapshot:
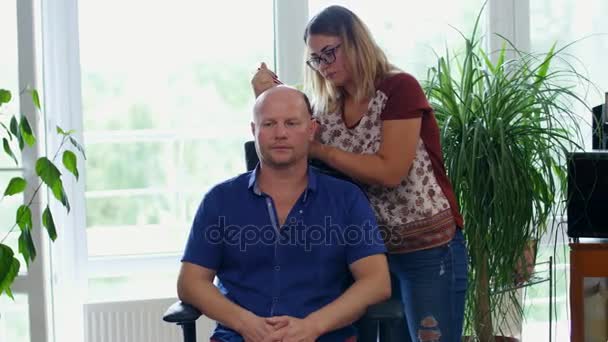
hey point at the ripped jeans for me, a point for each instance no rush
(432, 285)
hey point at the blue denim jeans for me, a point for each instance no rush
(432, 286)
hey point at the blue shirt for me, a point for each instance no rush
(291, 270)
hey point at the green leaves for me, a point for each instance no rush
(16, 131)
(74, 142)
(64, 133)
(26, 244)
(69, 161)
(5, 96)
(26, 132)
(8, 150)
(14, 126)
(35, 98)
(9, 268)
(19, 132)
(49, 223)
(22, 131)
(47, 171)
(60, 194)
(50, 175)
(8, 132)
(78, 147)
(24, 217)
(15, 186)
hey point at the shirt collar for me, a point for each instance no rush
(255, 187)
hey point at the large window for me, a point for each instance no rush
(166, 104)
(563, 22)
(411, 33)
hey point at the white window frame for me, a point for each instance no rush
(35, 282)
(62, 104)
(290, 21)
(511, 19)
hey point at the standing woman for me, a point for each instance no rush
(377, 127)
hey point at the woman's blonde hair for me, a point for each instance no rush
(367, 62)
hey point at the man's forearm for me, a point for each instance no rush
(350, 306)
(212, 303)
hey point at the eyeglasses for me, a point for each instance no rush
(328, 56)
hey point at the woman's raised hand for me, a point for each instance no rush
(263, 80)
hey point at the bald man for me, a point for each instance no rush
(285, 241)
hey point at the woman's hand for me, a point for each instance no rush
(317, 151)
(263, 80)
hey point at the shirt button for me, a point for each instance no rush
(275, 299)
(277, 268)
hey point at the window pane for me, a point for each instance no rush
(129, 165)
(135, 287)
(167, 104)
(409, 32)
(174, 69)
(8, 69)
(564, 21)
(14, 319)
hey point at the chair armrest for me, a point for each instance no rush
(181, 312)
(390, 309)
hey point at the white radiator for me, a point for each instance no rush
(136, 321)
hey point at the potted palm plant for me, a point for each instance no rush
(18, 134)
(505, 128)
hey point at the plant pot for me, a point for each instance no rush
(525, 265)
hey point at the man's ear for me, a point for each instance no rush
(253, 129)
(314, 129)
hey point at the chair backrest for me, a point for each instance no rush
(251, 156)
(251, 160)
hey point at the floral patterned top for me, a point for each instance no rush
(421, 212)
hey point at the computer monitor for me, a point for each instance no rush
(588, 194)
(600, 128)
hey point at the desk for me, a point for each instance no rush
(590, 261)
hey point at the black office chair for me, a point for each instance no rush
(382, 322)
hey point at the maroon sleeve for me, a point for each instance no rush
(405, 98)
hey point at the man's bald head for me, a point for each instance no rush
(285, 94)
(283, 127)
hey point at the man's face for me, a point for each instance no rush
(283, 129)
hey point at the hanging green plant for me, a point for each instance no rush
(19, 135)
